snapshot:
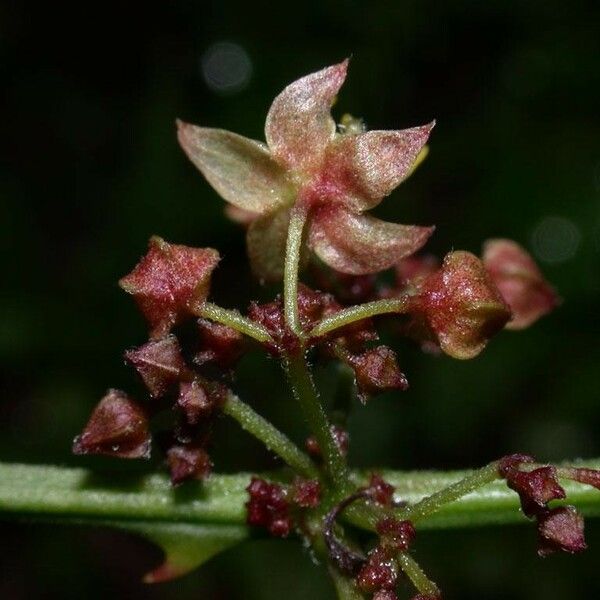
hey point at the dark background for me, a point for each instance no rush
(90, 169)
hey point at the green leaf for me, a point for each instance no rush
(186, 546)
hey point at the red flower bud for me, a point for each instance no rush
(380, 572)
(186, 462)
(195, 401)
(385, 595)
(170, 283)
(117, 427)
(306, 493)
(535, 488)
(561, 529)
(380, 490)
(461, 306)
(220, 344)
(396, 536)
(159, 364)
(520, 282)
(268, 507)
(377, 371)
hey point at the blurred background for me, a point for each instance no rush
(90, 169)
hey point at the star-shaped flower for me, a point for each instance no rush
(307, 162)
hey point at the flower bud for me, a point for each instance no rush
(520, 282)
(170, 283)
(159, 364)
(306, 493)
(460, 306)
(380, 490)
(561, 529)
(535, 488)
(377, 371)
(194, 401)
(340, 436)
(396, 536)
(268, 507)
(385, 595)
(188, 462)
(117, 427)
(380, 572)
(220, 344)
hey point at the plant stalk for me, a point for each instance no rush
(233, 319)
(304, 390)
(298, 217)
(82, 495)
(359, 313)
(270, 436)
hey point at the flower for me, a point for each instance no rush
(520, 282)
(459, 306)
(306, 163)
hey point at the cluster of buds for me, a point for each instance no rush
(560, 528)
(274, 506)
(170, 285)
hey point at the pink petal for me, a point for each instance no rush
(266, 240)
(520, 282)
(299, 125)
(240, 170)
(369, 166)
(359, 244)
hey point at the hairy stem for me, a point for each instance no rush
(457, 490)
(233, 319)
(417, 576)
(74, 494)
(270, 436)
(358, 313)
(305, 392)
(293, 250)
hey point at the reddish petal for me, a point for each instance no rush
(240, 170)
(299, 125)
(187, 463)
(368, 166)
(520, 282)
(360, 244)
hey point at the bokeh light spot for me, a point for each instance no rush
(555, 239)
(226, 67)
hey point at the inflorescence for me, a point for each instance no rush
(304, 198)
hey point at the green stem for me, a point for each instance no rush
(434, 502)
(74, 494)
(344, 586)
(417, 576)
(305, 392)
(270, 436)
(233, 319)
(358, 313)
(293, 250)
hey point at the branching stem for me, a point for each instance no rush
(270, 436)
(358, 313)
(233, 319)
